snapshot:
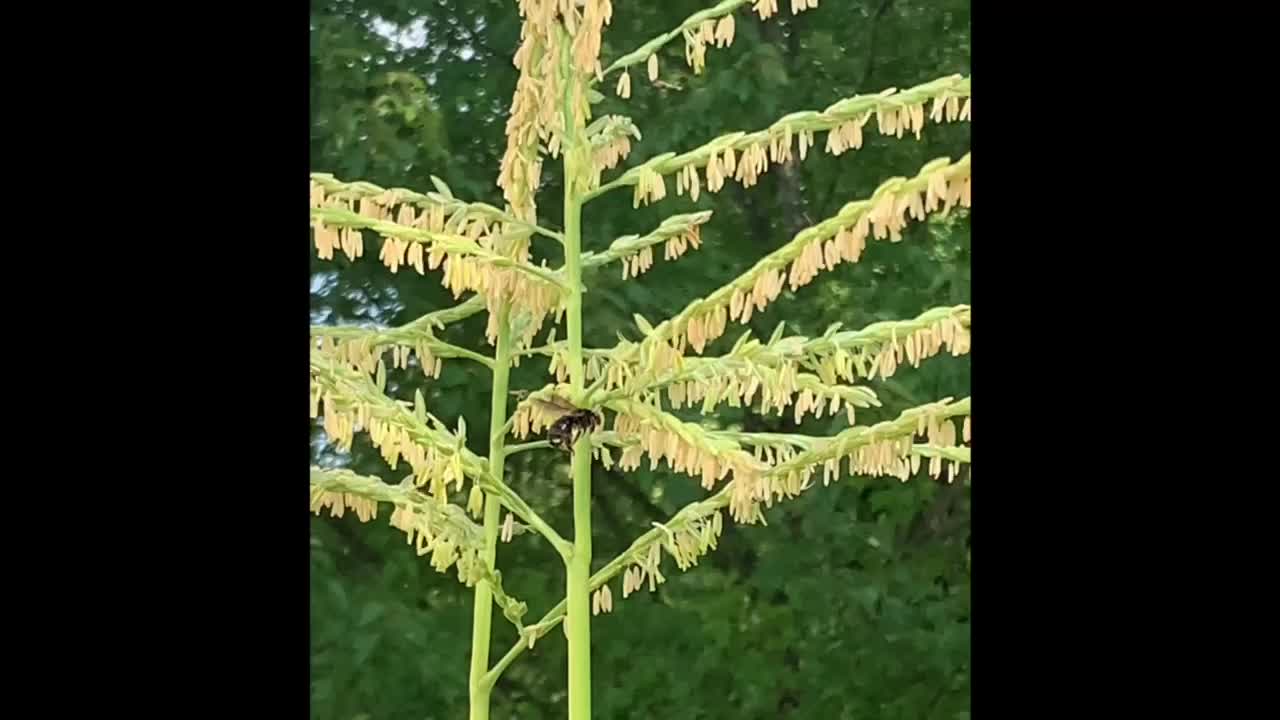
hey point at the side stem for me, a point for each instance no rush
(483, 609)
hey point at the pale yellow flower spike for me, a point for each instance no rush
(724, 31)
(765, 8)
(508, 528)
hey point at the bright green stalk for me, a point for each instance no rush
(483, 612)
(578, 591)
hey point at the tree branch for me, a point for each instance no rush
(871, 42)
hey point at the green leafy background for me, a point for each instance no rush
(854, 601)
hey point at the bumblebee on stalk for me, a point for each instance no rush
(569, 423)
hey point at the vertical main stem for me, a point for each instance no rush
(483, 609)
(578, 617)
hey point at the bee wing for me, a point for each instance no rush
(553, 407)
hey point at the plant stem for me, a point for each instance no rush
(483, 610)
(535, 445)
(579, 565)
(579, 590)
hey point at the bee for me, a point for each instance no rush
(570, 424)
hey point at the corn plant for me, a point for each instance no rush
(616, 405)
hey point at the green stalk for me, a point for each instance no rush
(578, 619)
(483, 611)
